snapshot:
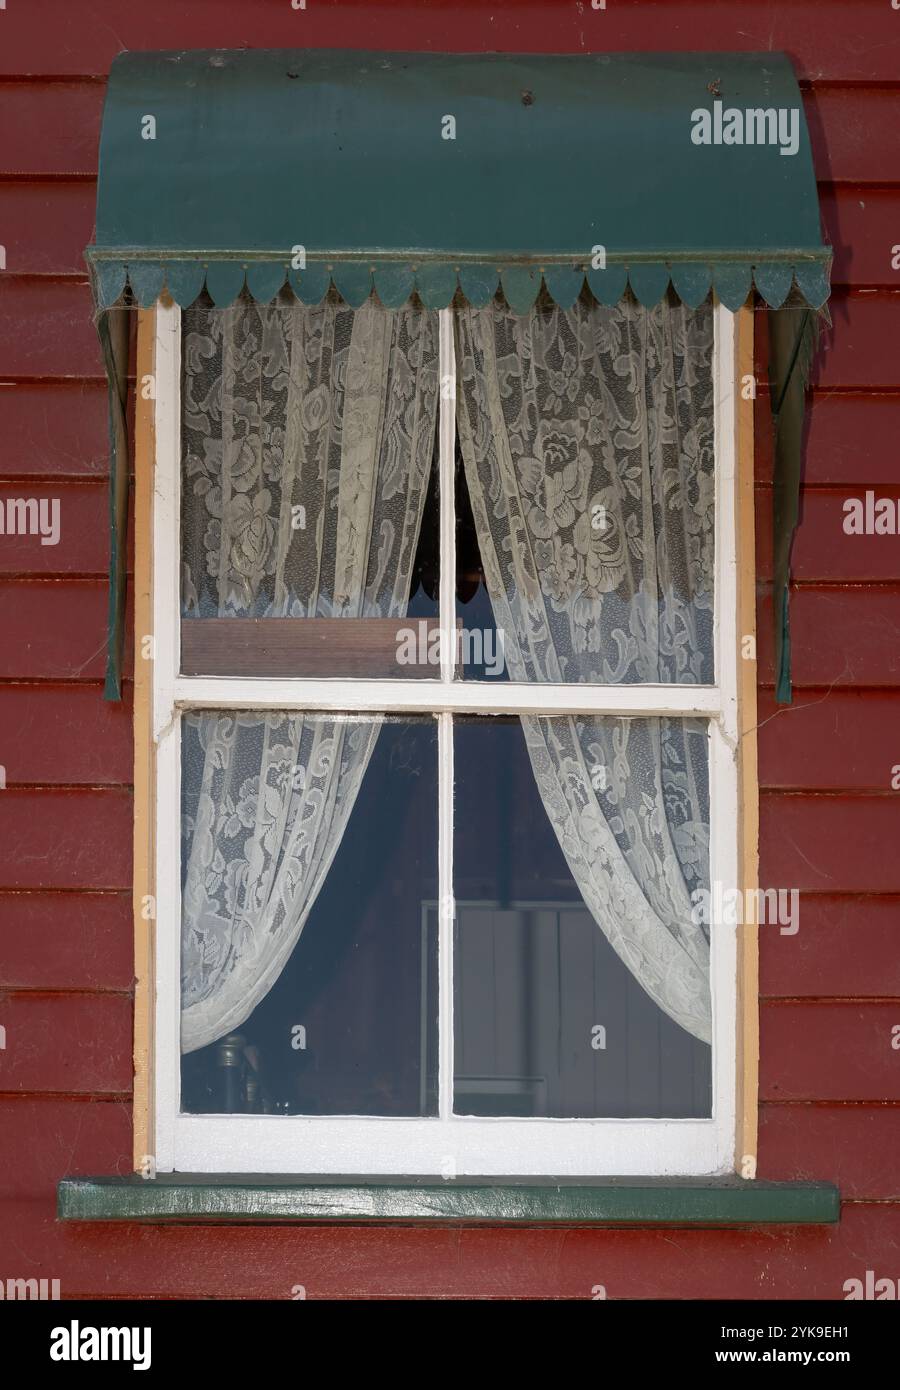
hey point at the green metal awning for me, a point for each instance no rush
(433, 172)
(262, 172)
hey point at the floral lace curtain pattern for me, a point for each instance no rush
(587, 441)
(307, 446)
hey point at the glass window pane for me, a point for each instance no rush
(581, 980)
(309, 859)
(308, 486)
(587, 440)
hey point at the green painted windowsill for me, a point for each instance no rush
(726, 1201)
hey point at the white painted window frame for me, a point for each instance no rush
(447, 1144)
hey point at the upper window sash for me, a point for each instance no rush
(443, 694)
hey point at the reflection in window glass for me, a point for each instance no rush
(581, 982)
(309, 858)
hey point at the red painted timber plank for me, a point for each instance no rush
(46, 226)
(825, 39)
(67, 941)
(843, 636)
(854, 133)
(855, 1146)
(47, 329)
(823, 550)
(851, 440)
(861, 350)
(861, 225)
(65, 734)
(53, 630)
(829, 1052)
(842, 742)
(49, 127)
(54, 430)
(390, 1262)
(81, 511)
(69, 1043)
(60, 1135)
(830, 844)
(65, 839)
(844, 947)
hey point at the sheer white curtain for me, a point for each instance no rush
(587, 440)
(307, 446)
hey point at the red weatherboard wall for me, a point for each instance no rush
(830, 1081)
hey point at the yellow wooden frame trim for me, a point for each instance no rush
(144, 768)
(748, 810)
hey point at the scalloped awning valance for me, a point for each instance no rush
(263, 172)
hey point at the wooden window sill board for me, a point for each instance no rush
(728, 1201)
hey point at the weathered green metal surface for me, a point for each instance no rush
(244, 156)
(636, 1201)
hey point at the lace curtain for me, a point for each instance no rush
(307, 446)
(587, 441)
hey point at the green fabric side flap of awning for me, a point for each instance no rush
(263, 172)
